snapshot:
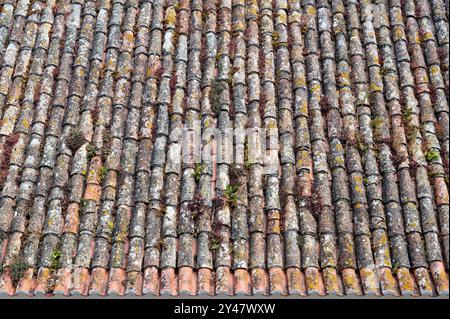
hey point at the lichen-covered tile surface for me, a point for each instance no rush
(115, 178)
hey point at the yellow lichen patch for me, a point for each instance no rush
(345, 77)
(253, 10)
(383, 239)
(304, 108)
(411, 205)
(340, 160)
(388, 279)
(190, 117)
(434, 70)
(207, 123)
(375, 87)
(171, 16)
(128, 37)
(428, 36)
(358, 179)
(387, 255)
(349, 247)
(331, 280)
(44, 275)
(425, 79)
(295, 17)
(110, 225)
(303, 160)
(121, 235)
(312, 282)
(15, 93)
(368, 278)
(398, 33)
(315, 88)
(149, 72)
(272, 125)
(110, 63)
(306, 136)
(81, 72)
(378, 122)
(358, 189)
(117, 256)
(376, 60)
(311, 10)
(92, 173)
(282, 18)
(404, 280)
(300, 82)
(239, 26)
(276, 228)
(88, 28)
(79, 60)
(349, 280)
(417, 38)
(300, 162)
(25, 123)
